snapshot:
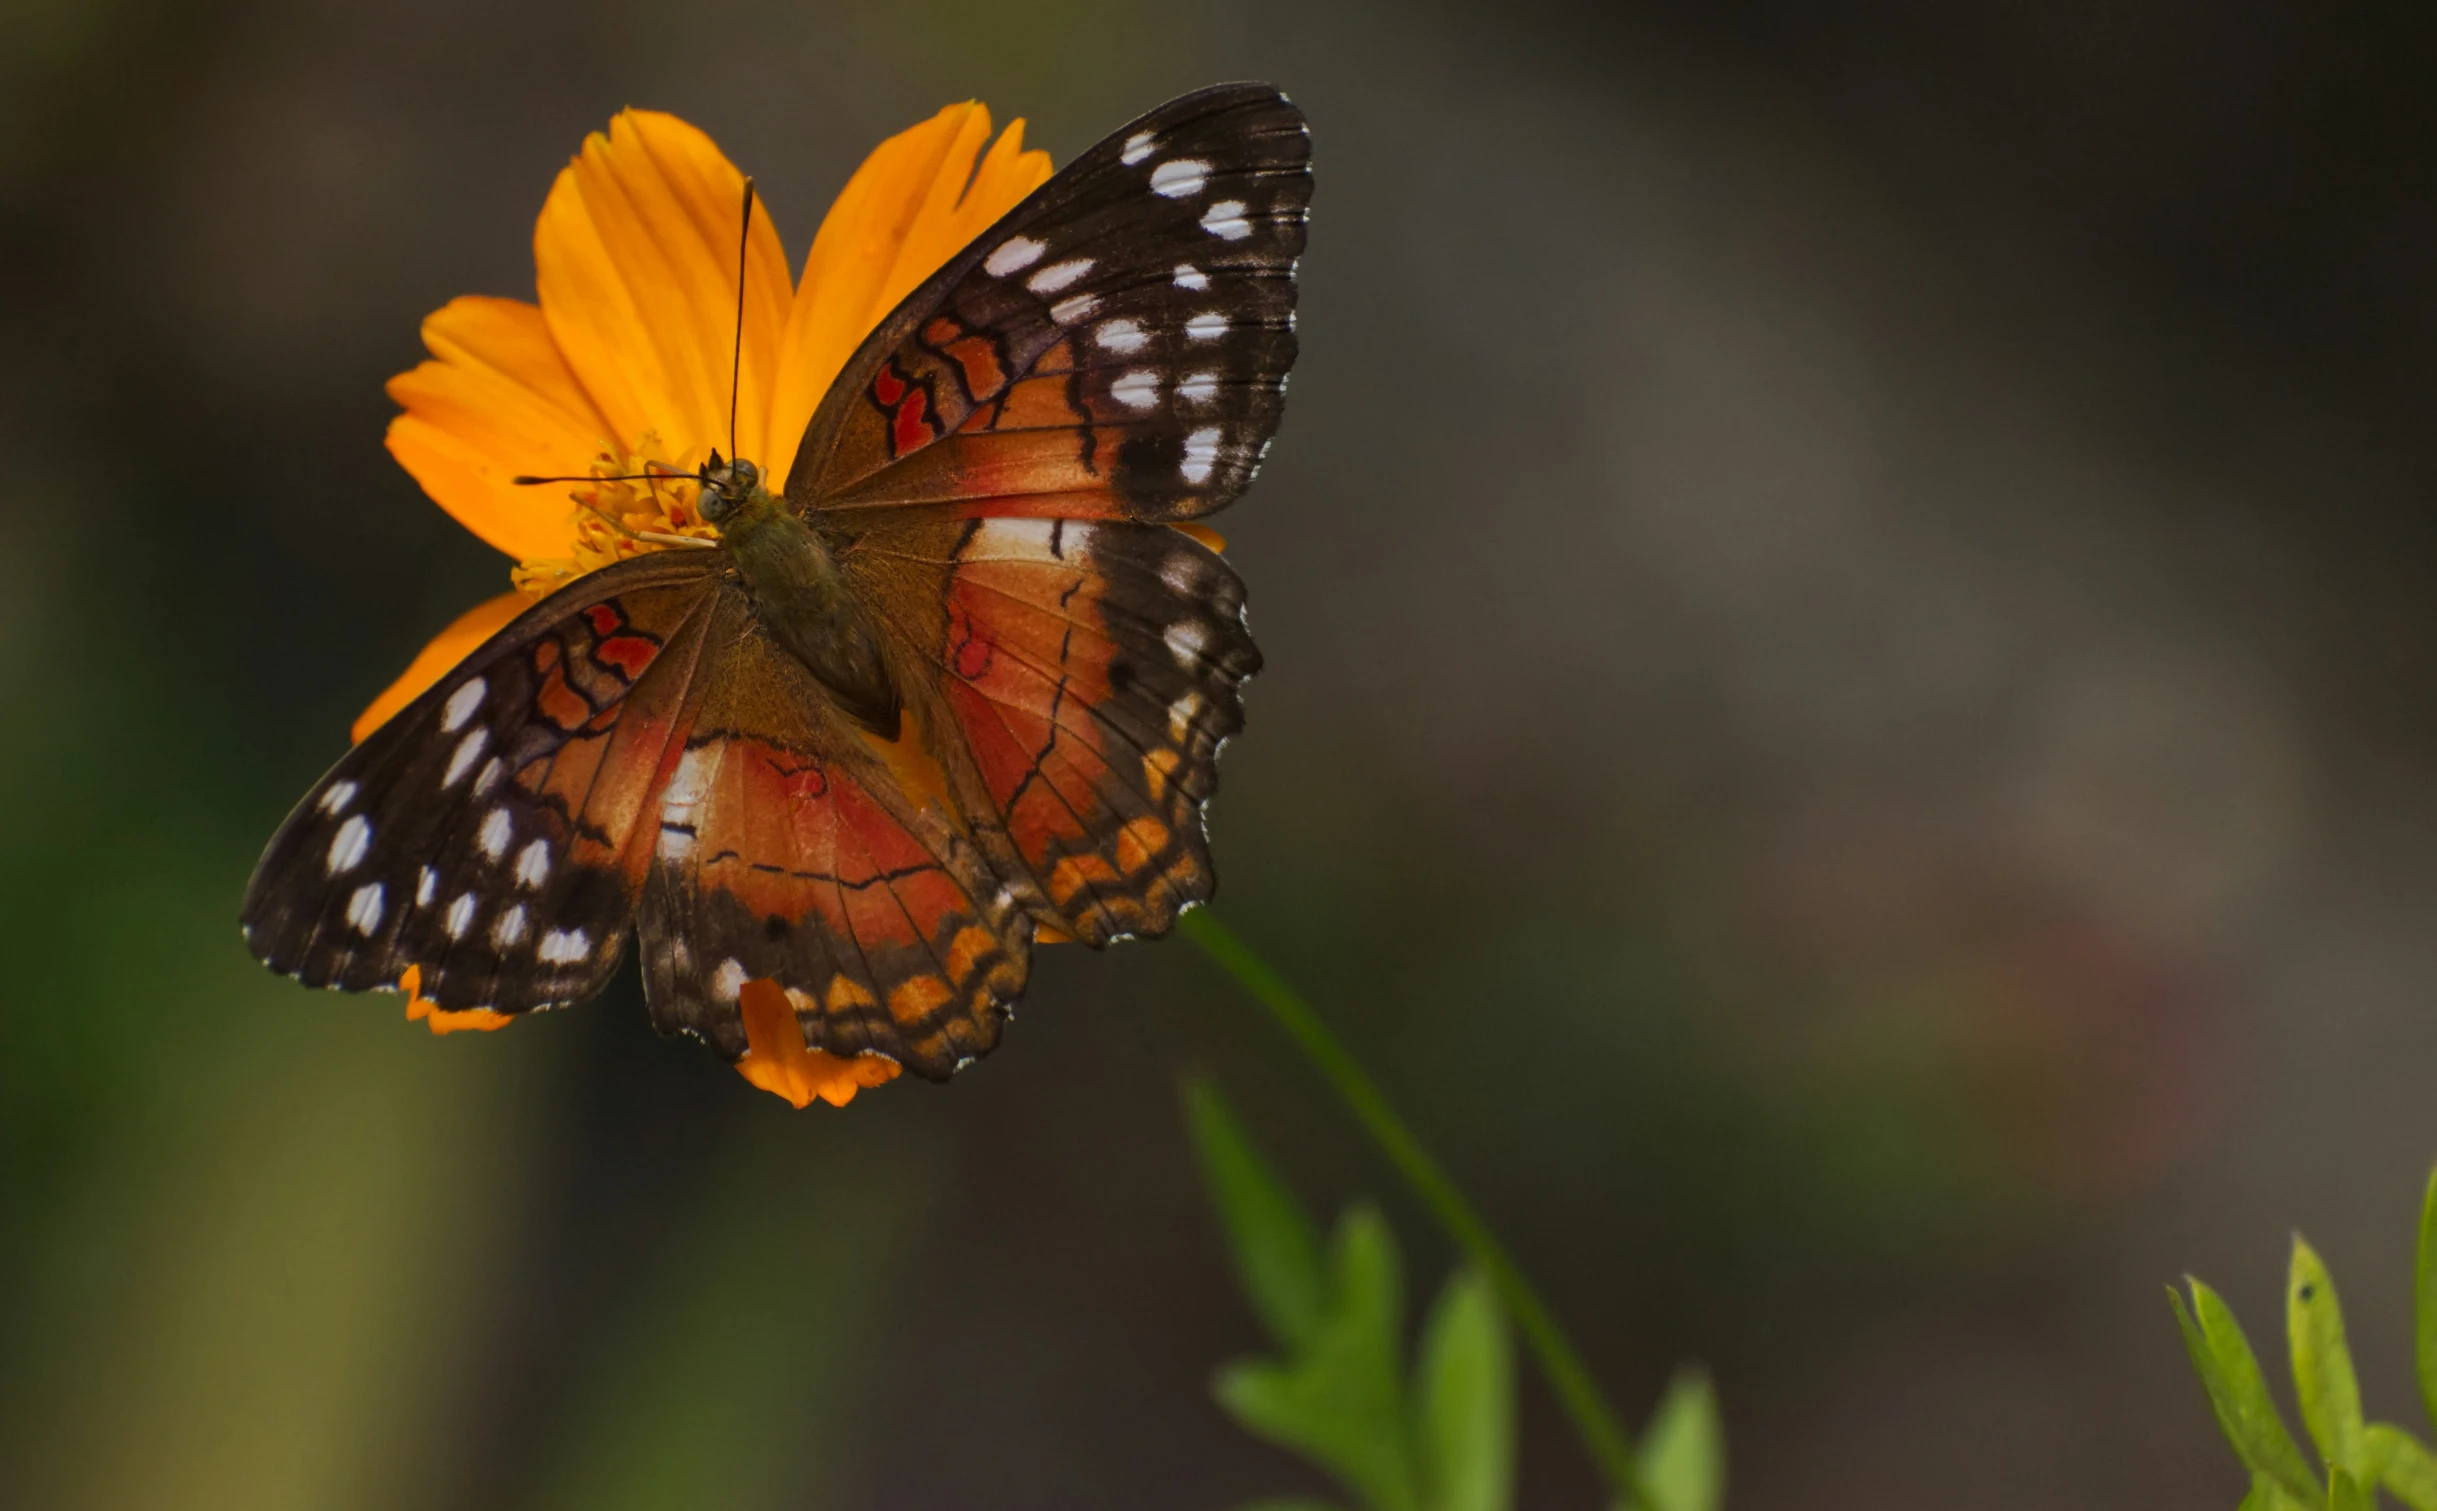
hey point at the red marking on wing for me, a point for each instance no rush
(969, 650)
(606, 620)
(909, 429)
(887, 386)
(626, 654)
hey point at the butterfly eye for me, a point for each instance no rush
(743, 476)
(714, 503)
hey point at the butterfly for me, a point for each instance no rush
(961, 684)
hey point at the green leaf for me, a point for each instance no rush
(1340, 1400)
(1276, 1248)
(2344, 1493)
(2402, 1463)
(2239, 1393)
(1464, 1388)
(1684, 1447)
(2424, 1301)
(2267, 1495)
(2322, 1363)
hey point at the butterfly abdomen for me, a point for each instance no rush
(803, 601)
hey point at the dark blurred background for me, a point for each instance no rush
(1848, 727)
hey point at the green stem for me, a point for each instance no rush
(1580, 1395)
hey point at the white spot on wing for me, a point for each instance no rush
(533, 865)
(347, 847)
(427, 881)
(1180, 178)
(564, 946)
(1121, 336)
(1206, 327)
(680, 959)
(488, 777)
(1190, 277)
(338, 797)
(468, 751)
(1138, 389)
(1201, 454)
(1137, 147)
(728, 980)
(685, 786)
(675, 844)
(1185, 641)
(1182, 574)
(1200, 388)
(461, 705)
(1013, 255)
(1058, 275)
(510, 929)
(460, 916)
(364, 908)
(1181, 715)
(1226, 221)
(497, 829)
(1068, 311)
(1026, 540)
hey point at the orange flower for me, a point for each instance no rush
(624, 360)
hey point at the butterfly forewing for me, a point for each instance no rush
(1115, 347)
(481, 835)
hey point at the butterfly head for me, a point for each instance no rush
(726, 487)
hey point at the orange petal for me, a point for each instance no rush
(441, 1020)
(496, 399)
(449, 647)
(777, 1060)
(915, 203)
(635, 255)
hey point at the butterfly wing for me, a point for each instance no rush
(482, 833)
(1090, 671)
(997, 467)
(789, 850)
(1115, 347)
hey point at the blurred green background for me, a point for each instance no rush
(1847, 727)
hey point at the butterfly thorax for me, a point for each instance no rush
(801, 598)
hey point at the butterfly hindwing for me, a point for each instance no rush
(1092, 671)
(1115, 347)
(480, 835)
(789, 851)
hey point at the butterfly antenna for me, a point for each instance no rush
(736, 365)
(522, 481)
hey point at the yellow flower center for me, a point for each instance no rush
(615, 511)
